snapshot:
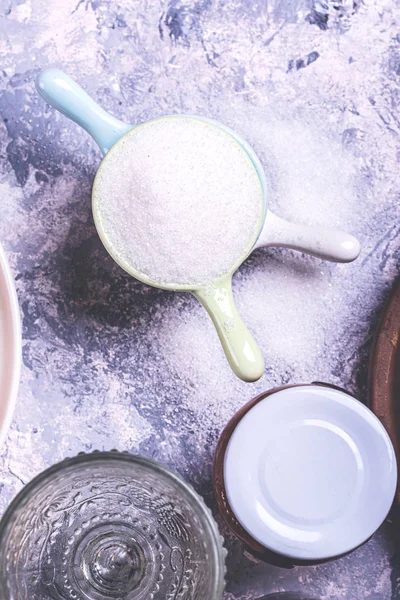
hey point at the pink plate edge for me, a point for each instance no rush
(10, 384)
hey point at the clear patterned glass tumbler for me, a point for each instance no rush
(109, 525)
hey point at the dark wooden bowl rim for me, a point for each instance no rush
(384, 375)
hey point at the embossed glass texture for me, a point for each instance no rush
(109, 526)
(286, 596)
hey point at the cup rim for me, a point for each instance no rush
(119, 259)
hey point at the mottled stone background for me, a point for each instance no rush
(109, 362)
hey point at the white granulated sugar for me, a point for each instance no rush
(312, 177)
(179, 201)
(309, 175)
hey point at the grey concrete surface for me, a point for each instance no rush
(111, 363)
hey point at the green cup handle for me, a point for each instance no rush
(240, 348)
(65, 95)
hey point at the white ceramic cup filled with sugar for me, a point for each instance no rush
(180, 202)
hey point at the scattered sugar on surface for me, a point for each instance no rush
(298, 308)
(180, 201)
(312, 176)
(270, 299)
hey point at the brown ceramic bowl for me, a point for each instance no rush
(252, 545)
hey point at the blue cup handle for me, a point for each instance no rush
(65, 95)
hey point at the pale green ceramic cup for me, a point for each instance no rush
(241, 349)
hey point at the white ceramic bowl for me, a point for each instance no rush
(10, 346)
